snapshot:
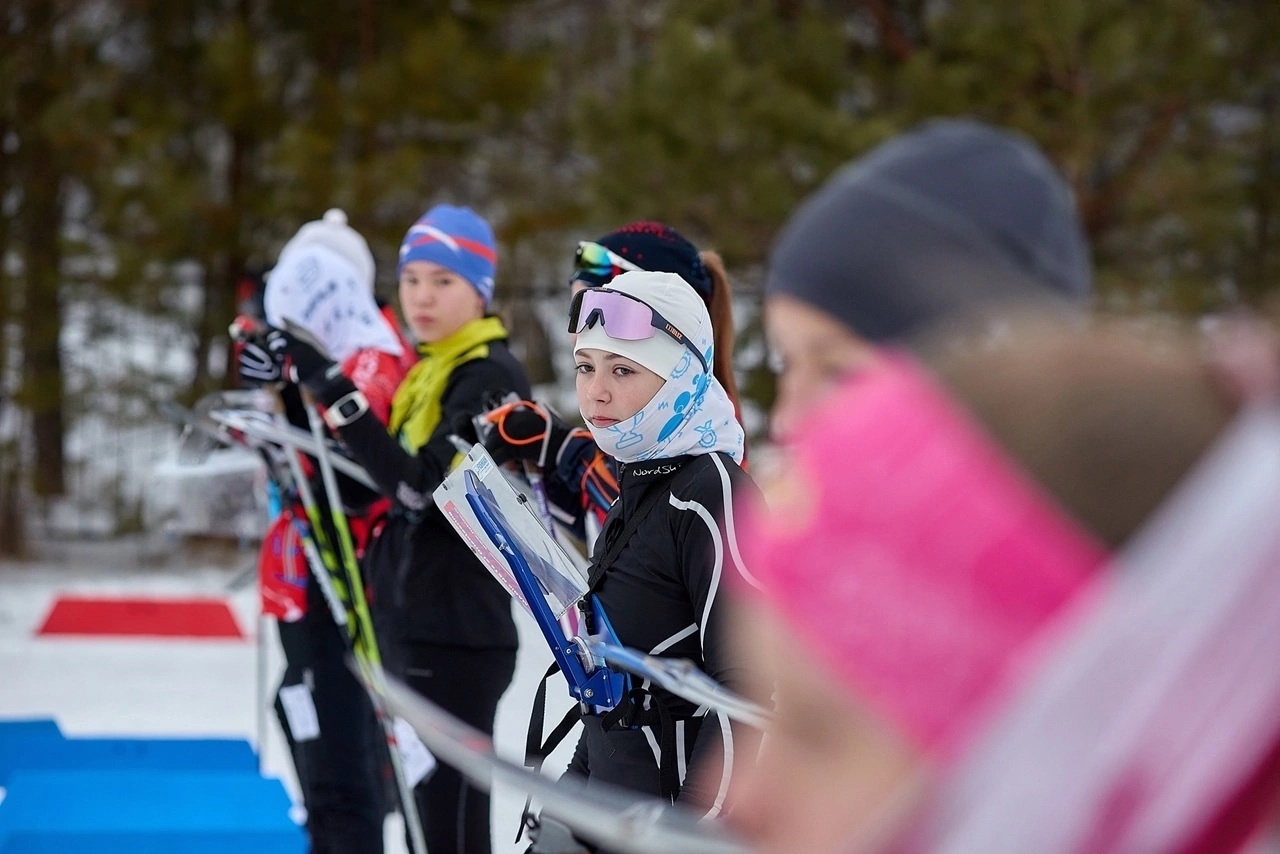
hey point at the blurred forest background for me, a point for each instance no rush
(153, 152)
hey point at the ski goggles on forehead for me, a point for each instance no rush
(598, 261)
(624, 318)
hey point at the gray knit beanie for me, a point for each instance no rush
(949, 218)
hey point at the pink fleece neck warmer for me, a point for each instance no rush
(925, 560)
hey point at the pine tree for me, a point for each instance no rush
(187, 197)
(53, 97)
(728, 114)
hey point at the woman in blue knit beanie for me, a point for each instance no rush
(448, 244)
(443, 622)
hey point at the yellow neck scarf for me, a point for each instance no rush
(415, 410)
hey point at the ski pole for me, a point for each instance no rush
(369, 666)
(346, 552)
(326, 572)
(365, 641)
(288, 435)
(321, 569)
(260, 690)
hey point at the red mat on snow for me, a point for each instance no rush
(173, 618)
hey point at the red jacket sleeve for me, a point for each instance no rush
(377, 375)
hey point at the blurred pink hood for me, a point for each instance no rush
(911, 555)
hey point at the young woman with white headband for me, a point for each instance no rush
(646, 391)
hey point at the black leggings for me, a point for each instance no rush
(340, 773)
(467, 683)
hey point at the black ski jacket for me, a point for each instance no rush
(664, 594)
(427, 586)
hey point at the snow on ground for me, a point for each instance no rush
(166, 687)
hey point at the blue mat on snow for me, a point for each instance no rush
(14, 734)
(36, 749)
(147, 812)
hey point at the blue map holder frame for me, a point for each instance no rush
(594, 684)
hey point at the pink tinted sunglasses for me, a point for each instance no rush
(623, 317)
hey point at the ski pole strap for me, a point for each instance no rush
(536, 749)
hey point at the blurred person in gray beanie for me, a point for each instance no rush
(952, 218)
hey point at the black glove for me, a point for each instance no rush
(255, 364)
(463, 426)
(524, 430)
(300, 362)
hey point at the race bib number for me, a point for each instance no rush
(418, 762)
(300, 712)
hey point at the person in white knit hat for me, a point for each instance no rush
(323, 283)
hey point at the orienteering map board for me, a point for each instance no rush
(558, 578)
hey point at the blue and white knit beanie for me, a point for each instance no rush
(458, 239)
